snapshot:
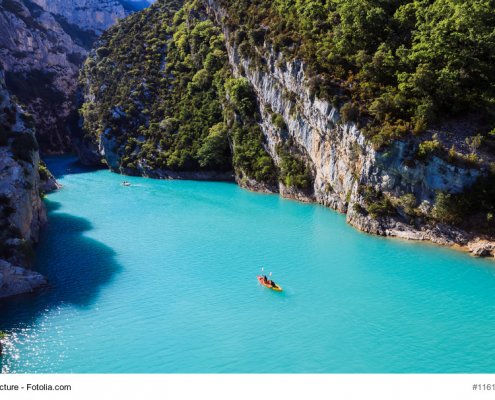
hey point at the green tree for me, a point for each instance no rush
(214, 153)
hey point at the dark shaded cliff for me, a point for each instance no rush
(44, 44)
(21, 210)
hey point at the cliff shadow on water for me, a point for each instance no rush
(77, 268)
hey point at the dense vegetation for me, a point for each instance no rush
(157, 80)
(169, 98)
(294, 169)
(395, 67)
(160, 86)
(473, 210)
(250, 159)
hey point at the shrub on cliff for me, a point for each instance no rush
(295, 172)
(381, 207)
(376, 202)
(448, 208)
(279, 122)
(408, 62)
(349, 113)
(250, 158)
(215, 152)
(159, 76)
(470, 209)
(428, 148)
(43, 171)
(242, 96)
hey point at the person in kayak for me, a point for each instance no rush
(269, 281)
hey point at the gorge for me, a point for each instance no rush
(317, 109)
(174, 106)
(380, 110)
(42, 48)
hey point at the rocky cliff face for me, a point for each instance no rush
(43, 46)
(21, 210)
(89, 15)
(41, 60)
(349, 173)
(92, 15)
(398, 190)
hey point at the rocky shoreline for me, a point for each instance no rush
(342, 160)
(384, 190)
(439, 234)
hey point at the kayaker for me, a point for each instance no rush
(265, 279)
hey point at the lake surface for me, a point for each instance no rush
(161, 277)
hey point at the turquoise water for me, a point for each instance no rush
(161, 277)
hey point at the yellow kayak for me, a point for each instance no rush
(270, 284)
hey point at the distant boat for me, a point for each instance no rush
(125, 183)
